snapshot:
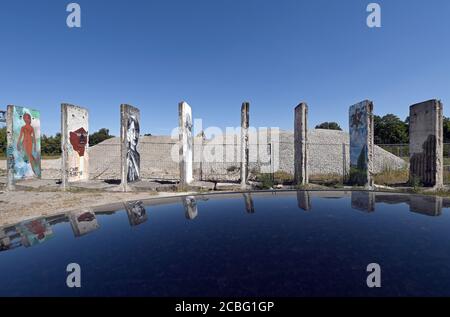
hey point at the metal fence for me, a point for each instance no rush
(156, 161)
(222, 161)
(159, 160)
(402, 150)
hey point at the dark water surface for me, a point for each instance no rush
(259, 244)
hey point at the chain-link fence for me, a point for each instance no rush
(155, 156)
(402, 150)
(213, 161)
(222, 161)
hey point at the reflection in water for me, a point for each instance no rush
(5, 242)
(426, 205)
(190, 207)
(83, 222)
(37, 231)
(34, 232)
(9, 239)
(241, 251)
(304, 200)
(363, 201)
(136, 212)
(249, 206)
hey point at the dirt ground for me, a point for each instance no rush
(20, 205)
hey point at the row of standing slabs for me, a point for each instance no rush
(24, 152)
(24, 144)
(425, 144)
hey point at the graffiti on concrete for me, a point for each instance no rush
(361, 142)
(34, 232)
(190, 207)
(136, 212)
(133, 158)
(83, 222)
(76, 142)
(25, 151)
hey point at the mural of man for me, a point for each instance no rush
(79, 140)
(27, 142)
(133, 157)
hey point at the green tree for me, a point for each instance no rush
(51, 145)
(99, 136)
(389, 129)
(3, 140)
(329, 126)
(446, 129)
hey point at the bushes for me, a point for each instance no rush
(269, 180)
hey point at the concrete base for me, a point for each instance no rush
(39, 184)
(229, 186)
(201, 186)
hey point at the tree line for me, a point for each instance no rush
(51, 145)
(390, 129)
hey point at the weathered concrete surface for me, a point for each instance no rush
(201, 186)
(361, 143)
(186, 143)
(426, 143)
(9, 151)
(301, 144)
(245, 123)
(145, 185)
(74, 144)
(228, 186)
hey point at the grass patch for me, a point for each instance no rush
(390, 177)
(330, 180)
(266, 180)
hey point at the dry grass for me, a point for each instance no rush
(334, 180)
(281, 177)
(392, 177)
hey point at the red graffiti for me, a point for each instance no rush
(79, 140)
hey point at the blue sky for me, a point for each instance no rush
(215, 54)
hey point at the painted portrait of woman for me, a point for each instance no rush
(133, 157)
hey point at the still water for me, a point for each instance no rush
(255, 244)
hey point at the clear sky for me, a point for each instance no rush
(215, 54)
